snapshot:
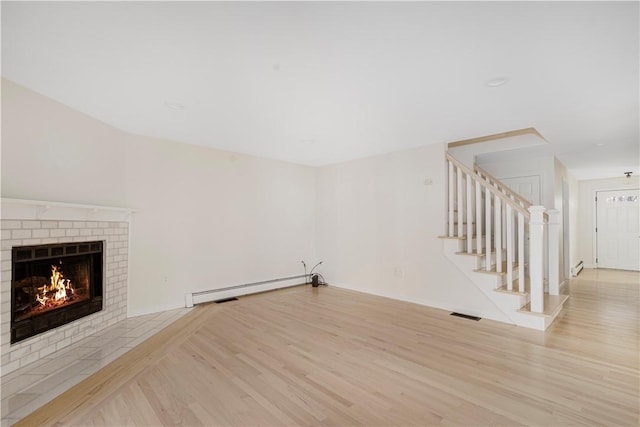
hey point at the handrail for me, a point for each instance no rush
(503, 187)
(487, 184)
(486, 175)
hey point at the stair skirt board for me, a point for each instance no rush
(488, 315)
(510, 304)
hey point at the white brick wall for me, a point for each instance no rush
(22, 233)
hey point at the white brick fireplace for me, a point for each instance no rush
(27, 222)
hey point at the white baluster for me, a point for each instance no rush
(498, 240)
(460, 203)
(520, 252)
(509, 234)
(536, 254)
(488, 216)
(554, 252)
(478, 218)
(504, 221)
(469, 206)
(451, 198)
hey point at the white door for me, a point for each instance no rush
(526, 186)
(617, 229)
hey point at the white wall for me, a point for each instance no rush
(587, 220)
(378, 226)
(527, 166)
(52, 152)
(206, 218)
(561, 175)
(469, 153)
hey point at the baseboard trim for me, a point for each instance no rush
(437, 305)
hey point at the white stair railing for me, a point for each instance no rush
(551, 218)
(517, 198)
(504, 217)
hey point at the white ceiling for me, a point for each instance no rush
(319, 83)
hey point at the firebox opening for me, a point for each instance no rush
(53, 285)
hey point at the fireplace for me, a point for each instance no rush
(53, 285)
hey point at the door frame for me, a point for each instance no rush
(595, 219)
(566, 231)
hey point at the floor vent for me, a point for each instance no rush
(466, 316)
(220, 301)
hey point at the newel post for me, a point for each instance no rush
(536, 262)
(554, 252)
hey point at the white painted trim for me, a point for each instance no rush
(432, 304)
(23, 209)
(235, 291)
(188, 300)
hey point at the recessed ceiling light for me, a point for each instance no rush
(497, 81)
(599, 144)
(175, 105)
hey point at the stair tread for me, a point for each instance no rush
(514, 289)
(493, 269)
(474, 253)
(453, 237)
(467, 253)
(552, 304)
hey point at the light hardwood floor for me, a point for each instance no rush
(326, 356)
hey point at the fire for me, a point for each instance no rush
(57, 291)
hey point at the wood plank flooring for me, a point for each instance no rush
(326, 356)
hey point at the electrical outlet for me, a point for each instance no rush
(428, 181)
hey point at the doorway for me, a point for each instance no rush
(617, 229)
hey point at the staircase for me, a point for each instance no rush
(503, 244)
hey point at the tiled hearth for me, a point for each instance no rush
(39, 368)
(27, 388)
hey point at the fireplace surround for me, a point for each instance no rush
(35, 223)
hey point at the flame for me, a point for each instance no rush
(56, 291)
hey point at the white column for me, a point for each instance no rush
(521, 283)
(498, 239)
(478, 218)
(451, 198)
(469, 207)
(487, 229)
(554, 252)
(536, 254)
(509, 233)
(460, 203)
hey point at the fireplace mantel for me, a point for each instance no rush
(44, 210)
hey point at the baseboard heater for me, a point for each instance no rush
(577, 269)
(200, 297)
